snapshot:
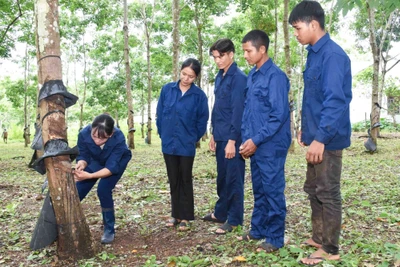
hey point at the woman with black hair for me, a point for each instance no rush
(104, 155)
(182, 115)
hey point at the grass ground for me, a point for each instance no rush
(370, 228)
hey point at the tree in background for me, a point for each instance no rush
(175, 39)
(380, 15)
(131, 125)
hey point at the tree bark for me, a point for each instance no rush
(375, 110)
(199, 28)
(27, 130)
(175, 39)
(131, 132)
(74, 238)
(288, 69)
(276, 30)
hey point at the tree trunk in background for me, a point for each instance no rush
(27, 131)
(149, 86)
(175, 39)
(74, 238)
(82, 100)
(199, 28)
(375, 110)
(131, 125)
(289, 70)
(276, 31)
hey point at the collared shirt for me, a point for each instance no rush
(266, 117)
(107, 157)
(327, 95)
(181, 119)
(226, 118)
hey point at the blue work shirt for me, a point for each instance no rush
(226, 117)
(266, 117)
(109, 157)
(327, 94)
(181, 120)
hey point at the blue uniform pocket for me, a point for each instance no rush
(312, 78)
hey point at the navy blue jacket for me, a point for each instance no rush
(181, 120)
(226, 117)
(327, 95)
(266, 117)
(109, 157)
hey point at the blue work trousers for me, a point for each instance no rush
(323, 188)
(105, 186)
(269, 213)
(230, 186)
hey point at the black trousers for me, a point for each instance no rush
(323, 188)
(179, 169)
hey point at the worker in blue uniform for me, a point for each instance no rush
(104, 155)
(182, 116)
(267, 137)
(325, 127)
(226, 121)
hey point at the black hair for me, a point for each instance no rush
(223, 46)
(194, 64)
(104, 125)
(306, 11)
(257, 38)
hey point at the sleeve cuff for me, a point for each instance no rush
(256, 140)
(321, 138)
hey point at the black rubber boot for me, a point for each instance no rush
(108, 222)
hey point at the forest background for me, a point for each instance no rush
(161, 36)
(164, 33)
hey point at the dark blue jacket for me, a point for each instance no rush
(226, 117)
(181, 120)
(327, 95)
(266, 117)
(109, 157)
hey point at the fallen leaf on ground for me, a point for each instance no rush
(239, 259)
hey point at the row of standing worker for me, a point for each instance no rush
(250, 120)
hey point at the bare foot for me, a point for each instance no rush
(310, 242)
(319, 256)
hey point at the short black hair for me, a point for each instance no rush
(306, 11)
(104, 125)
(257, 38)
(223, 46)
(194, 64)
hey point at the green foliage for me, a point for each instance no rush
(15, 91)
(387, 126)
(14, 24)
(346, 5)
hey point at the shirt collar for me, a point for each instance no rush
(320, 43)
(265, 67)
(191, 90)
(231, 70)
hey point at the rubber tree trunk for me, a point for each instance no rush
(289, 72)
(131, 127)
(375, 110)
(74, 238)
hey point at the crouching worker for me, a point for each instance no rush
(104, 155)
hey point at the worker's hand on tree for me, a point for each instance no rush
(81, 175)
(80, 165)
